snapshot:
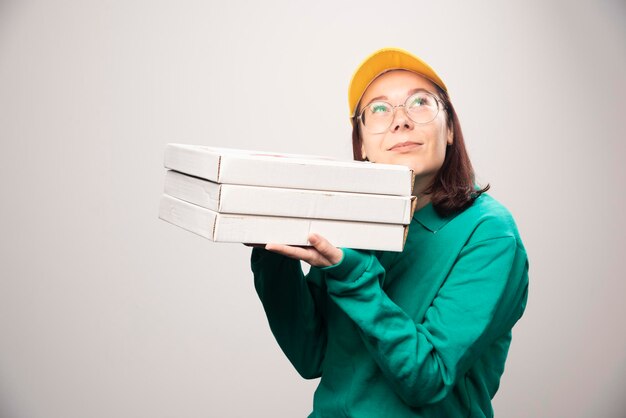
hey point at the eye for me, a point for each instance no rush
(379, 108)
(420, 100)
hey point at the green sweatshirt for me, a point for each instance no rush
(419, 333)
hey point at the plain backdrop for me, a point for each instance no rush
(107, 311)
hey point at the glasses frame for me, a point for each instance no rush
(440, 105)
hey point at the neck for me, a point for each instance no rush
(420, 185)
(422, 200)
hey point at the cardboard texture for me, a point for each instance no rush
(270, 201)
(220, 227)
(255, 168)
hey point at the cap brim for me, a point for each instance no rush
(384, 60)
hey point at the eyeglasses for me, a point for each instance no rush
(421, 107)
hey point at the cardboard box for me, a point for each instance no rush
(255, 168)
(256, 229)
(299, 203)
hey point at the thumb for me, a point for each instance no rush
(325, 248)
(315, 240)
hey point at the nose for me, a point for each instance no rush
(401, 121)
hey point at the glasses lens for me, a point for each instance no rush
(377, 117)
(422, 107)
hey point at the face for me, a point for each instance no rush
(421, 147)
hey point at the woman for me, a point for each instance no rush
(424, 332)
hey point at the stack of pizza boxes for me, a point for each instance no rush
(232, 195)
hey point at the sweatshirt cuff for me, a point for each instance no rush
(262, 255)
(351, 266)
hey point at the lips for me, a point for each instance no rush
(404, 145)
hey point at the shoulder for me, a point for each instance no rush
(490, 220)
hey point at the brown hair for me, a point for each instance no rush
(453, 188)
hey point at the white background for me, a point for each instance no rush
(106, 311)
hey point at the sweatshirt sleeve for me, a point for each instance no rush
(289, 301)
(483, 296)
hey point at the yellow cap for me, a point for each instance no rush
(386, 59)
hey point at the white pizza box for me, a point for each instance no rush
(299, 203)
(257, 168)
(256, 229)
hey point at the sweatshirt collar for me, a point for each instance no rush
(430, 219)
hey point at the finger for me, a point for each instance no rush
(304, 254)
(325, 248)
(320, 243)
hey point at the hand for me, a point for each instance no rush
(321, 254)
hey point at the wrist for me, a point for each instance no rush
(351, 265)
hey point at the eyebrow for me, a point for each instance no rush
(410, 92)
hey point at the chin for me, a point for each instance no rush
(410, 162)
(419, 170)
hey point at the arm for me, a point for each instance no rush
(483, 296)
(289, 303)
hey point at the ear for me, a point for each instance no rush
(450, 139)
(363, 151)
